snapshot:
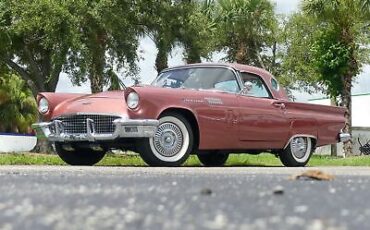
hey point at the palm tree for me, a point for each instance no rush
(197, 31)
(160, 20)
(186, 23)
(245, 29)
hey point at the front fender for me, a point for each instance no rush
(55, 99)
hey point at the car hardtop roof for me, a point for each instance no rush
(236, 66)
(265, 75)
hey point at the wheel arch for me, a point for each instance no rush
(190, 117)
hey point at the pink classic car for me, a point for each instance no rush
(210, 110)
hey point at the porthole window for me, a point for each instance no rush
(274, 84)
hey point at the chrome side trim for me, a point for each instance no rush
(124, 128)
(299, 135)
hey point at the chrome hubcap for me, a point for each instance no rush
(299, 147)
(168, 139)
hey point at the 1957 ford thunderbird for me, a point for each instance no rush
(209, 110)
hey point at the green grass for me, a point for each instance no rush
(131, 160)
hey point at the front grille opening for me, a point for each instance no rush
(76, 124)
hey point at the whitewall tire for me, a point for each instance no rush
(298, 152)
(171, 144)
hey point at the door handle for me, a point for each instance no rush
(279, 104)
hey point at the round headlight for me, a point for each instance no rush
(132, 100)
(43, 105)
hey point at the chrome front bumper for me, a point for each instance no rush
(124, 128)
(344, 137)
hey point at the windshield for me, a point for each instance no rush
(220, 79)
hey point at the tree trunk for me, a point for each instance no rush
(98, 62)
(261, 64)
(192, 53)
(96, 82)
(161, 61)
(347, 103)
(333, 147)
(353, 69)
(241, 54)
(42, 145)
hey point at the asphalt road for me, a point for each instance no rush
(38, 197)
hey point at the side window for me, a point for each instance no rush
(224, 80)
(254, 86)
(227, 86)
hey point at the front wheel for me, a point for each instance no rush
(171, 144)
(297, 153)
(83, 156)
(213, 158)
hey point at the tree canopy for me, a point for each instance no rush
(35, 37)
(87, 39)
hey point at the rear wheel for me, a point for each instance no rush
(79, 156)
(297, 153)
(213, 158)
(171, 144)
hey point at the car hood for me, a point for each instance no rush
(111, 102)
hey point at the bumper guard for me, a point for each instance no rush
(344, 137)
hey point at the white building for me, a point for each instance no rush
(360, 122)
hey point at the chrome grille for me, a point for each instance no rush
(76, 124)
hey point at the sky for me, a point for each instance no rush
(147, 52)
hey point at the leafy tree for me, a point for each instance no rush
(108, 41)
(35, 37)
(87, 39)
(296, 72)
(17, 106)
(330, 46)
(246, 30)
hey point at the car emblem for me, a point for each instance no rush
(214, 101)
(193, 100)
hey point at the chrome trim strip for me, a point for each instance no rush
(299, 135)
(198, 65)
(79, 113)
